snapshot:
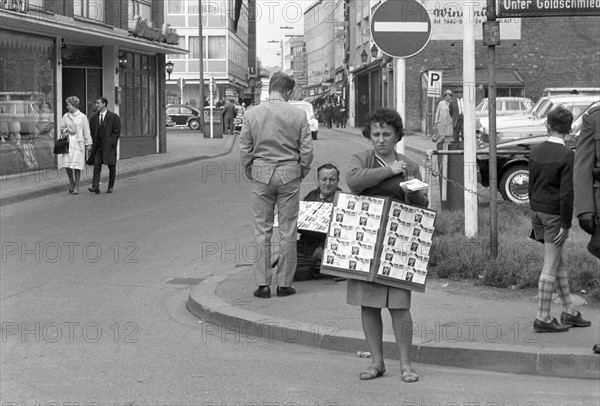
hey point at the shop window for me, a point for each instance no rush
(27, 102)
(90, 9)
(138, 109)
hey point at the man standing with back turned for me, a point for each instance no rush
(587, 182)
(105, 127)
(276, 152)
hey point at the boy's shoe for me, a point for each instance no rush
(550, 327)
(574, 321)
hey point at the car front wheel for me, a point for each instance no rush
(194, 124)
(514, 184)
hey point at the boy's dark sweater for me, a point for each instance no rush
(551, 181)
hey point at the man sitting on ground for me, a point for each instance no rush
(311, 244)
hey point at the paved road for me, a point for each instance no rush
(93, 308)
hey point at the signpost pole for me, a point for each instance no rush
(400, 82)
(469, 140)
(212, 80)
(493, 163)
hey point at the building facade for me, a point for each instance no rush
(320, 49)
(535, 53)
(53, 49)
(228, 50)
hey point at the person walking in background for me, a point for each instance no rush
(587, 182)
(443, 125)
(229, 113)
(106, 130)
(276, 151)
(378, 172)
(76, 127)
(328, 112)
(458, 108)
(551, 201)
(336, 114)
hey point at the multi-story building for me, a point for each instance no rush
(535, 53)
(53, 49)
(294, 63)
(228, 50)
(320, 49)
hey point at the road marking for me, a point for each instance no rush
(392, 26)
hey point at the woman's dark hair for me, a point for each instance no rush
(384, 116)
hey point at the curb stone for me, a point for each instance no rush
(222, 317)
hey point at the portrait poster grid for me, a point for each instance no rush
(379, 240)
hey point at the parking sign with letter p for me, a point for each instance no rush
(434, 83)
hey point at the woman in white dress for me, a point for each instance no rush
(443, 120)
(75, 125)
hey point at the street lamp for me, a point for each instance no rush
(374, 51)
(169, 65)
(364, 56)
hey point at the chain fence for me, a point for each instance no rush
(429, 170)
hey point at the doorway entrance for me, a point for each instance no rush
(86, 84)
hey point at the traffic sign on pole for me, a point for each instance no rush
(434, 83)
(401, 28)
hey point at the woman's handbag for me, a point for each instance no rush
(61, 146)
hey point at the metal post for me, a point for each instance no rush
(493, 164)
(400, 80)
(201, 66)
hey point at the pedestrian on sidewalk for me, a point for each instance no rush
(328, 113)
(229, 113)
(443, 125)
(587, 182)
(76, 127)
(106, 130)
(551, 201)
(311, 243)
(276, 152)
(378, 172)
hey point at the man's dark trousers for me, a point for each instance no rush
(112, 171)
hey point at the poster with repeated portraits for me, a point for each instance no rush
(380, 240)
(312, 216)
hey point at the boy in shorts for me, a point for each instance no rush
(551, 202)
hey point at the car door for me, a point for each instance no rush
(173, 113)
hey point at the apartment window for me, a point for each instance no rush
(141, 8)
(91, 9)
(216, 47)
(178, 56)
(36, 4)
(175, 7)
(194, 48)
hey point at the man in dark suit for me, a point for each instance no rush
(587, 182)
(105, 127)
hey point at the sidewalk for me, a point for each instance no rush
(182, 148)
(484, 331)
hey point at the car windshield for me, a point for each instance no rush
(482, 106)
(543, 109)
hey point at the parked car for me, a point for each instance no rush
(505, 106)
(184, 115)
(533, 124)
(25, 113)
(513, 168)
(310, 115)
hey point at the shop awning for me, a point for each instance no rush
(81, 33)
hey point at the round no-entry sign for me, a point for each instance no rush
(401, 28)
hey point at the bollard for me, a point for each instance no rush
(454, 170)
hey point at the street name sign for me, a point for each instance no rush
(547, 8)
(401, 28)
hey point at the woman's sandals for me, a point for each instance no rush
(409, 376)
(372, 372)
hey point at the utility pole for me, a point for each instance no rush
(491, 38)
(200, 66)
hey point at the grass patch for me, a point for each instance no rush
(519, 261)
